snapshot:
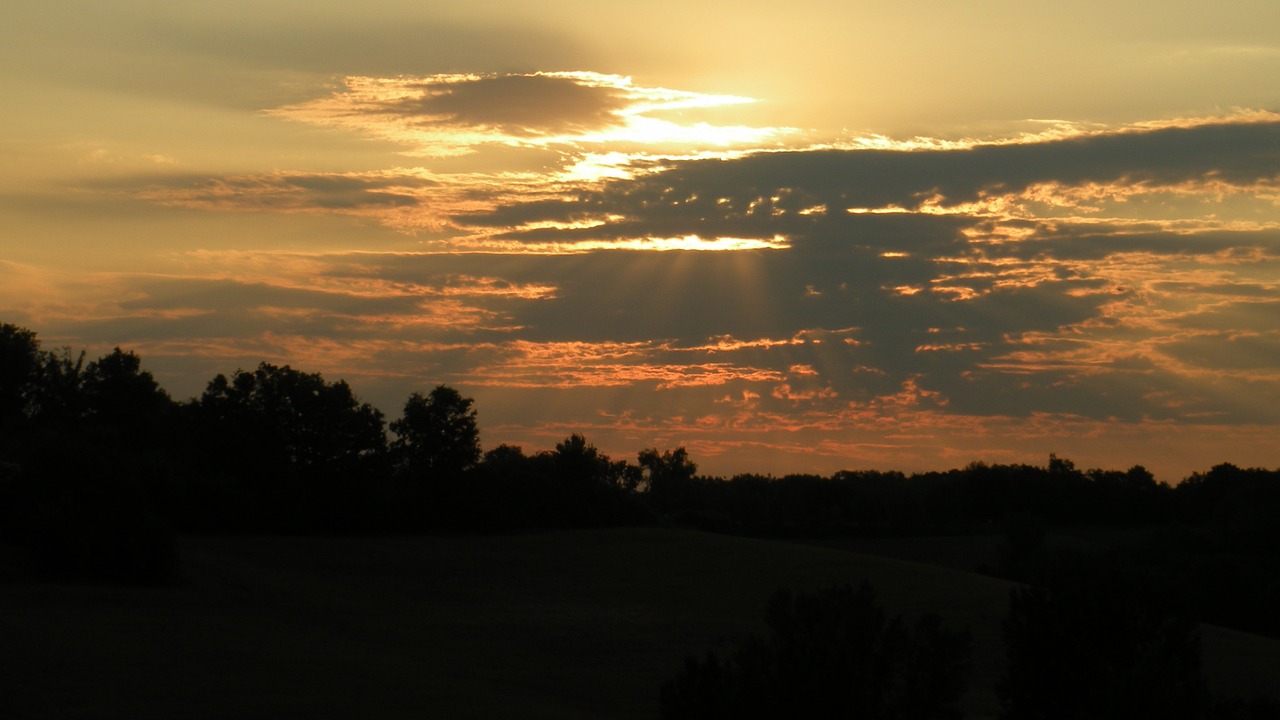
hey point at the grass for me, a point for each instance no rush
(562, 625)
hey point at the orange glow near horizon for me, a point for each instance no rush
(653, 244)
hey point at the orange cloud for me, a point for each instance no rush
(606, 364)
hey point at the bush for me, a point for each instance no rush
(1094, 641)
(833, 653)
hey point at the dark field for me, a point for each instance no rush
(583, 624)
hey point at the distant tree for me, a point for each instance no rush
(1061, 466)
(41, 402)
(58, 396)
(579, 462)
(55, 391)
(19, 371)
(437, 434)
(119, 392)
(1140, 478)
(507, 460)
(276, 417)
(1095, 641)
(1255, 708)
(1022, 551)
(666, 478)
(628, 476)
(830, 654)
(582, 486)
(669, 466)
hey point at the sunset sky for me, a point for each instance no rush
(790, 237)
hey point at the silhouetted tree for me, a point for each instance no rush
(672, 466)
(506, 460)
(666, 478)
(579, 463)
(283, 450)
(277, 418)
(513, 493)
(830, 654)
(583, 486)
(579, 474)
(58, 397)
(1256, 708)
(78, 484)
(118, 392)
(437, 434)
(1022, 552)
(1094, 641)
(19, 372)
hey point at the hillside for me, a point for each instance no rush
(582, 624)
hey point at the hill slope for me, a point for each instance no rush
(560, 625)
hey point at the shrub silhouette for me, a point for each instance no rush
(1021, 552)
(1094, 641)
(830, 654)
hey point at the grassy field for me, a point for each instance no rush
(560, 625)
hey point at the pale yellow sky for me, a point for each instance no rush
(176, 78)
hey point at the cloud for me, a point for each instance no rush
(997, 312)
(454, 114)
(1154, 176)
(1236, 153)
(1251, 352)
(380, 195)
(876, 301)
(515, 105)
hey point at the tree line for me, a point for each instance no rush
(100, 468)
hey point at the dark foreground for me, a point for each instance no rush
(582, 624)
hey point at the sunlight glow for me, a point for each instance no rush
(1056, 130)
(453, 114)
(659, 244)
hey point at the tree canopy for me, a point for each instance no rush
(437, 434)
(280, 450)
(276, 417)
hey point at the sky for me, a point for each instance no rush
(789, 237)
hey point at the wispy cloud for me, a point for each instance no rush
(445, 115)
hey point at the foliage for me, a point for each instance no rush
(19, 367)
(1255, 708)
(830, 654)
(279, 450)
(1093, 641)
(120, 394)
(668, 479)
(277, 419)
(437, 434)
(80, 452)
(1021, 554)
